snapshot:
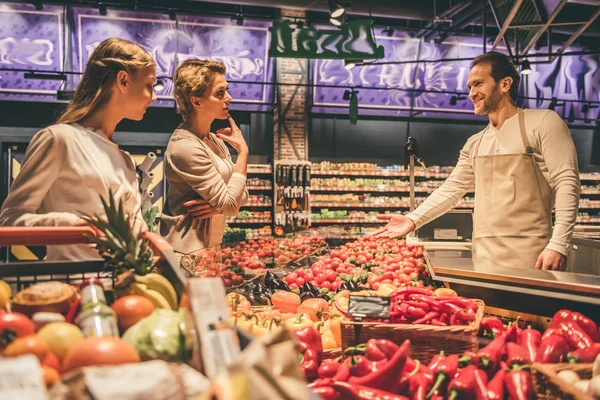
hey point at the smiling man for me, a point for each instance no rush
(522, 165)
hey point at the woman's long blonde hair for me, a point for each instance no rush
(110, 57)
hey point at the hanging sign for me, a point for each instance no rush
(353, 41)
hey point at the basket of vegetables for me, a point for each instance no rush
(567, 381)
(431, 323)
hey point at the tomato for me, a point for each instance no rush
(287, 302)
(320, 278)
(293, 286)
(312, 307)
(308, 277)
(104, 350)
(407, 254)
(31, 344)
(330, 275)
(326, 285)
(14, 325)
(131, 309)
(300, 272)
(408, 270)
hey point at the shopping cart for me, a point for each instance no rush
(24, 273)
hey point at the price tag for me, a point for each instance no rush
(369, 306)
(21, 378)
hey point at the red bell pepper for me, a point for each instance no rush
(576, 337)
(311, 349)
(513, 332)
(519, 384)
(517, 355)
(463, 385)
(492, 325)
(328, 368)
(386, 377)
(326, 393)
(560, 316)
(551, 332)
(495, 388)
(444, 372)
(362, 366)
(584, 355)
(531, 340)
(489, 357)
(552, 349)
(586, 324)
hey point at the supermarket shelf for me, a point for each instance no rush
(347, 221)
(390, 174)
(259, 188)
(373, 190)
(258, 172)
(256, 205)
(249, 221)
(349, 205)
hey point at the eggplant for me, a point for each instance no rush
(308, 286)
(273, 282)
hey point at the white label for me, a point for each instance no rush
(219, 345)
(152, 380)
(445, 234)
(21, 378)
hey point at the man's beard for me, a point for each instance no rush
(492, 103)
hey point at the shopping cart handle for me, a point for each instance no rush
(42, 236)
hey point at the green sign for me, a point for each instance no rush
(353, 41)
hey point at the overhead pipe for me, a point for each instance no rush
(465, 20)
(449, 13)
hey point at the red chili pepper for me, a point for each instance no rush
(531, 340)
(436, 360)
(419, 385)
(495, 388)
(415, 313)
(552, 349)
(519, 384)
(513, 332)
(584, 355)
(427, 318)
(388, 347)
(481, 381)
(328, 368)
(373, 352)
(311, 349)
(358, 392)
(462, 302)
(468, 358)
(492, 325)
(419, 304)
(434, 303)
(444, 372)
(576, 337)
(586, 324)
(517, 355)
(326, 393)
(412, 290)
(463, 385)
(560, 316)
(462, 317)
(386, 377)
(362, 366)
(489, 357)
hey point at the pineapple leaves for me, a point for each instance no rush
(118, 244)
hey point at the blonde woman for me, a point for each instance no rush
(69, 165)
(204, 184)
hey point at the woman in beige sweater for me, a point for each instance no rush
(69, 165)
(204, 185)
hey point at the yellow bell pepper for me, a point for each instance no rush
(335, 326)
(301, 321)
(328, 341)
(265, 326)
(385, 289)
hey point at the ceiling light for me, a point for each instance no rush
(102, 9)
(238, 19)
(388, 31)
(349, 64)
(159, 86)
(172, 15)
(525, 67)
(335, 9)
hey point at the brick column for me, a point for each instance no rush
(291, 71)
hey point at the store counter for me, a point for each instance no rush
(530, 291)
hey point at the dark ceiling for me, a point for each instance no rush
(430, 19)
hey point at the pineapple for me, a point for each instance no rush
(122, 248)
